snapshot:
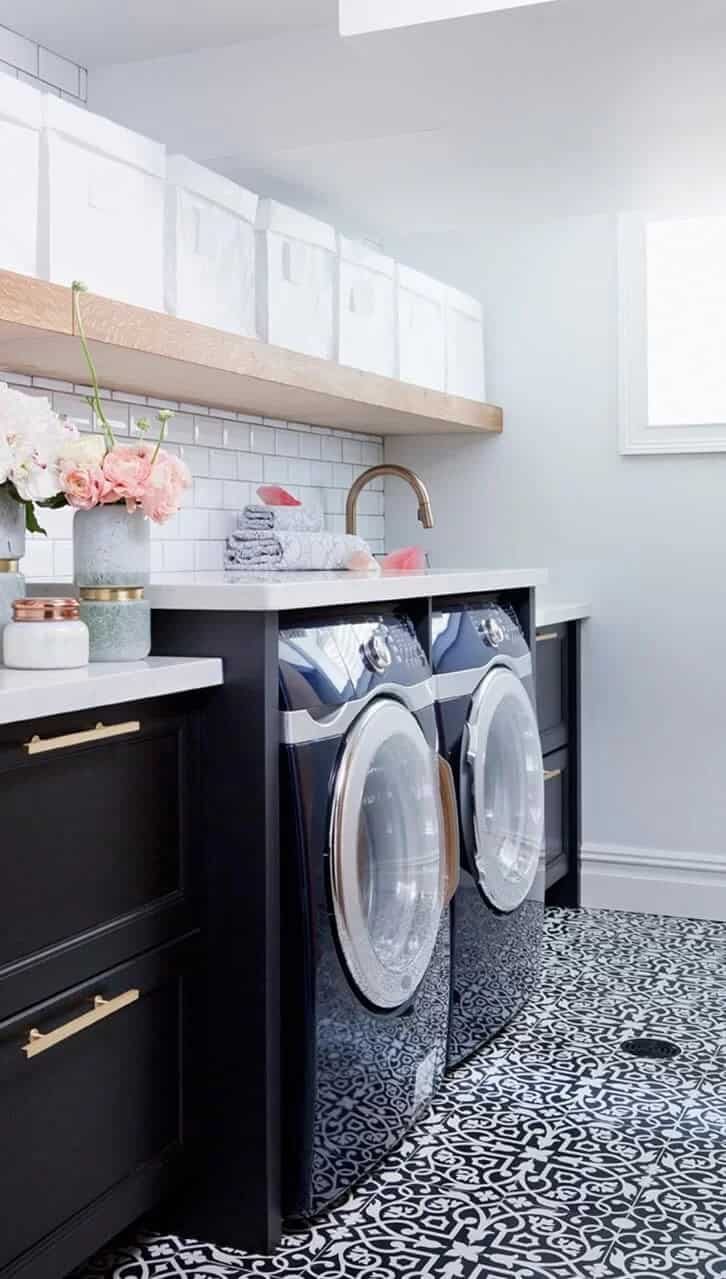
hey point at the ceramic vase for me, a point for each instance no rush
(111, 547)
(12, 549)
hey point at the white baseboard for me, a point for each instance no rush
(654, 880)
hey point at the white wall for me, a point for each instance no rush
(643, 538)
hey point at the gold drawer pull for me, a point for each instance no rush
(552, 773)
(548, 635)
(39, 745)
(40, 1043)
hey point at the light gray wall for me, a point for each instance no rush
(643, 538)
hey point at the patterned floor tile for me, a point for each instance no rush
(550, 1154)
(650, 1242)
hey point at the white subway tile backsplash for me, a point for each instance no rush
(208, 556)
(178, 556)
(332, 449)
(249, 467)
(235, 495)
(237, 436)
(76, 409)
(310, 446)
(193, 524)
(63, 559)
(180, 428)
(197, 459)
(223, 464)
(209, 431)
(117, 414)
(208, 494)
(287, 443)
(262, 439)
(221, 524)
(228, 459)
(342, 475)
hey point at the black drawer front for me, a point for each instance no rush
(552, 686)
(85, 1114)
(556, 816)
(93, 833)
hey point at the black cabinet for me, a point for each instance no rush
(558, 674)
(98, 947)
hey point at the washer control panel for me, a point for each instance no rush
(325, 665)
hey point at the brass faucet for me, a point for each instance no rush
(425, 513)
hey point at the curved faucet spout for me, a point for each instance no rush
(425, 514)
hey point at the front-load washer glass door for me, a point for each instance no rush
(502, 789)
(389, 853)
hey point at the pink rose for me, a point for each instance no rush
(84, 486)
(162, 495)
(127, 469)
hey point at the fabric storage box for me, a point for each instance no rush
(366, 328)
(464, 346)
(102, 206)
(296, 262)
(421, 304)
(20, 125)
(209, 248)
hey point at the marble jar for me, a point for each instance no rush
(111, 547)
(12, 587)
(12, 527)
(12, 549)
(118, 621)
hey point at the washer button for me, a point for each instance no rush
(377, 654)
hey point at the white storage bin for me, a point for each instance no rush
(210, 248)
(296, 258)
(102, 206)
(464, 346)
(366, 325)
(20, 124)
(421, 304)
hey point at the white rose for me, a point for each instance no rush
(35, 482)
(6, 459)
(88, 450)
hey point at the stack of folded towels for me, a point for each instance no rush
(288, 538)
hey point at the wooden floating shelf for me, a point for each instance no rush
(151, 354)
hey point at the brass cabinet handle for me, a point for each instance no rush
(450, 807)
(548, 635)
(40, 1043)
(551, 773)
(39, 745)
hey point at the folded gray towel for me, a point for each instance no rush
(256, 549)
(288, 519)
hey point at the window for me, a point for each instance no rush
(672, 330)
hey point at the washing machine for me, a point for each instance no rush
(489, 735)
(369, 849)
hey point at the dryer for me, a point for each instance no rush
(489, 735)
(369, 864)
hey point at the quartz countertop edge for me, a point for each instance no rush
(557, 612)
(27, 695)
(273, 592)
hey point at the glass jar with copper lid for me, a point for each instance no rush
(46, 634)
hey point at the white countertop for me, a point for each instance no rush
(260, 592)
(555, 612)
(33, 694)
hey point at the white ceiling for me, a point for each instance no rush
(94, 32)
(421, 138)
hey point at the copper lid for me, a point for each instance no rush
(45, 609)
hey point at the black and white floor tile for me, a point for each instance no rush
(549, 1155)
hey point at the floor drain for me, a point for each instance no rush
(653, 1049)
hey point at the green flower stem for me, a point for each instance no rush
(95, 400)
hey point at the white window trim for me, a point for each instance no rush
(634, 432)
